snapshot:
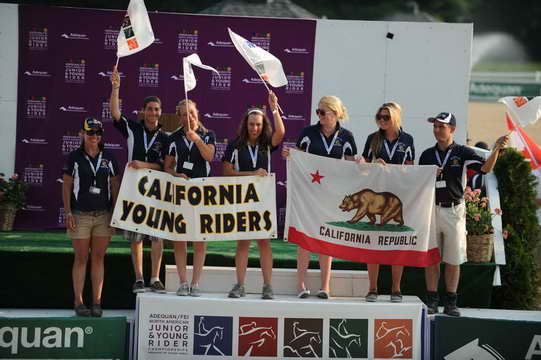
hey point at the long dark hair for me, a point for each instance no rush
(264, 139)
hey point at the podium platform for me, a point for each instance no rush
(174, 327)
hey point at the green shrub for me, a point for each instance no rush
(520, 277)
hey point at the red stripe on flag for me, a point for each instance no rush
(388, 257)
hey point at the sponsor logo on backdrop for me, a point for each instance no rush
(106, 111)
(348, 338)
(75, 36)
(213, 335)
(295, 83)
(263, 40)
(303, 337)
(157, 41)
(252, 80)
(33, 175)
(168, 333)
(112, 146)
(109, 39)
(258, 336)
(36, 107)
(296, 51)
(474, 351)
(34, 141)
(38, 38)
(61, 216)
(72, 108)
(293, 117)
(393, 338)
(74, 71)
(108, 73)
(37, 73)
(187, 41)
(70, 143)
(220, 146)
(177, 77)
(289, 143)
(222, 82)
(149, 75)
(217, 115)
(219, 43)
(281, 215)
(34, 208)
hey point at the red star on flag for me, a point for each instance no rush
(316, 177)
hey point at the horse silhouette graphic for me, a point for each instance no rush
(394, 338)
(342, 342)
(209, 339)
(303, 342)
(257, 335)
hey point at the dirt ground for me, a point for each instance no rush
(486, 122)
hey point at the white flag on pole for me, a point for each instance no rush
(264, 63)
(189, 77)
(524, 110)
(136, 31)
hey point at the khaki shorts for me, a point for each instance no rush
(451, 233)
(91, 223)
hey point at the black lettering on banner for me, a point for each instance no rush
(241, 221)
(126, 209)
(168, 197)
(139, 214)
(238, 194)
(210, 195)
(155, 190)
(153, 219)
(253, 221)
(251, 194)
(218, 227)
(226, 193)
(180, 225)
(180, 193)
(141, 185)
(206, 223)
(194, 195)
(322, 230)
(267, 218)
(229, 223)
(167, 221)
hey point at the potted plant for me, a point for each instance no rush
(12, 198)
(480, 239)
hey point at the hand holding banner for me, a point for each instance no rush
(136, 31)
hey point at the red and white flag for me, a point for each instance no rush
(267, 66)
(136, 31)
(364, 213)
(524, 110)
(523, 143)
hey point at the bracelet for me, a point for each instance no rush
(274, 111)
(116, 87)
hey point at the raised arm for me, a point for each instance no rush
(491, 161)
(114, 102)
(279, 128)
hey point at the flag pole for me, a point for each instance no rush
(532, 157)
(268, 90)
(187, 112)
(117, 58)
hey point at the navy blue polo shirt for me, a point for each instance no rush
(135, 132)
(392, 152)
(240, 155)
(185, 151)
(312, 141)
(78, 166)
(454, 169)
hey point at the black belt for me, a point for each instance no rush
(448, 204)
(94, 213)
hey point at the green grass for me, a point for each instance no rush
(364, 226)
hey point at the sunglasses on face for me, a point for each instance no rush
(383, 117)
(321, 112)
(94, 132)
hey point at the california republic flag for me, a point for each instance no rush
(136, 31)
(365, 213)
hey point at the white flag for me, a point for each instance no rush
(264, 63)
(189, 76)
(136, 32)
(524, 110)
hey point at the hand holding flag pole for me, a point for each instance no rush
(267, 66)
(189, 77)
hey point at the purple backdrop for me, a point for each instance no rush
(65, 59)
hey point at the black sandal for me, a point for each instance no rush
(82, 310)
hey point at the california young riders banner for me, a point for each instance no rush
(366, 213)
(205, 209)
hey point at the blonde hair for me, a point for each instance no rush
(395, 112)
(188, 102)
(335, 104)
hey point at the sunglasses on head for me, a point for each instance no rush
(320, 112)
(94, 132)
(383, 117)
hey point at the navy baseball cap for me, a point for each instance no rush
(92, 123)
(444, 117)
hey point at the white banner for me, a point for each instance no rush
(365, 213)
(204, 209)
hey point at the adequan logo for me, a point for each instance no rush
(37, 73)
(71, 108)
(219, 43)
(301, 51)
(75, 36)
(216, 115)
